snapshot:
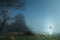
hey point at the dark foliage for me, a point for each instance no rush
(28, 33)
(5, 6)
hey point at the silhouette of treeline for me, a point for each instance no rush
(19, 23)
(6, 6)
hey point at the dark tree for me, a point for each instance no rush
(19, 24)
(5, 6)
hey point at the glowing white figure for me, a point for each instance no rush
(50, 30)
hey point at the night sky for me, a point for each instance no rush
(41, 14)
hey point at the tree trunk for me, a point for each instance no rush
(2, 25)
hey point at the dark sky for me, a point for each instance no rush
(41, 14)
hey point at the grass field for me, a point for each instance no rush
(34, 37)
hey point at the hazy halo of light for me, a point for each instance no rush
(48, 23)
(50, 30)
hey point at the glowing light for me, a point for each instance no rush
(49, 26)
(50, 30)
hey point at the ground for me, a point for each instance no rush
(26, 37)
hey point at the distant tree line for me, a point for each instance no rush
(19, 23)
